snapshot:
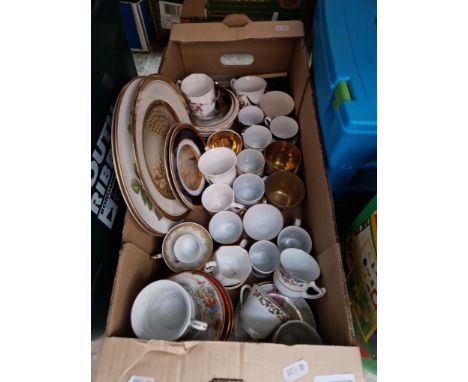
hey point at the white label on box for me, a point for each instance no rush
(282, 27)
(296, 370)
(138, 378)
(170, 13)
(335, 378)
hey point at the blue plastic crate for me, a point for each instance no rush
(137, 26)
(344, 60)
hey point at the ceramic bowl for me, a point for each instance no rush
(225, 138)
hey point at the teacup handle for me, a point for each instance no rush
(199, 325)
(210, 266)
(243, 243)
(297, 222)
(320, 291)
(157, 256)
(242, 291)
(267, 121)
(232, 83)
(237, 207)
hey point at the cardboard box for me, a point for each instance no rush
(277, 47)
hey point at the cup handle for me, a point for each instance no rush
(265, 178)
(199, 325)
(157, 256)
(267, 121)
(242, 291)
(320, 291)
(210, 266)
(232, 83)
(243, 243)
(237, 207)
(264, 200)
(297, 222)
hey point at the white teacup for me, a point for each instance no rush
(164, 310)
(220, 197)
(294, 236)
(250, 115)
(264, 257)
(218, 165)
(187, 248)
(248, 189)
(231, 264)
(263, 222)
(225, 227)
(259, 314)
(257, 137)
(250, 161)
(249, 89)
(276, 104)
(283, 128)
(296, 274)
(199, 89)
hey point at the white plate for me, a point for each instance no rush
(157, 89)
(124, 163)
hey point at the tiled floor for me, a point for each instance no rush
(148, 63)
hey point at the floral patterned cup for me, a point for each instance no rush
(199, 89)
(259, 314)
(296, 274)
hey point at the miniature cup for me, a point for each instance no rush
(248, 189)
(220, 197)
(296, 274)
(225, 227)
(164, 310)
(257, 137)
(259, 314)
(249, 89)
(199, 89)
(250, 161)
(218, 165)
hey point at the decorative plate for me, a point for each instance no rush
(131, 186)
(209, 305)
(158, 105)
(185, 148)
(296, 308)
(229, 309)
(202, 236)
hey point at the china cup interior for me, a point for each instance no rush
(263, 222)
(249, 84)
(187, 248)
(294, 237)
(250, 160)
(283, 156)
(276, 103)
(196, 85)
(257, 136)
(284, 189)
(300, 264)
(217, 161)
(264, 256)
(248, 188)
(162, 311)
(225, 227)
(217, 197)
(284, 127)
(250, 115)
(296, 332)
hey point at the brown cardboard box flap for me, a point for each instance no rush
(333, 312)
(209, 32)
(193, 8)
(122, 358)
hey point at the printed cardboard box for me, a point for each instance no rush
(277, 48)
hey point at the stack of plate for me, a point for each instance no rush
(212, 304)
(155, 153)
(227, 108)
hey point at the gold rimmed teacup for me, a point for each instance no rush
(282, 156)
(284, 189)
(226, 138)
